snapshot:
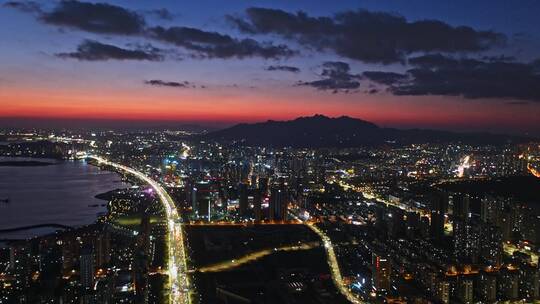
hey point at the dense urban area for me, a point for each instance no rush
(221, 221)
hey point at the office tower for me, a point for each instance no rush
(242, 199)
(466, 241)
(438, 209)
(487, 287)
(381, 272)
(461, 204)
(491, 245)
(278, 203)
(87, 266)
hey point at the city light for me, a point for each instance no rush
(179, 278)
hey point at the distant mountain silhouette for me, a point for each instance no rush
(323, 131)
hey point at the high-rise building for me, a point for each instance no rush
(460, 205)
(465, 290)
(395, 222)
(487, 287)
(257, 202)
(204, 196)
(466, 240)
(413, 224)
(508, 284)
(242, 198)
(529, 282)
(263, 185)
(103, 248)
(381, 273)
(87, 266)
(491, 209)
(278, 203)
(20, 265)
(442, 291)
(438, 209)
(507, 224)
(491, 245)
(70, 252)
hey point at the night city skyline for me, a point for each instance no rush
(269, 152)
(178, 62)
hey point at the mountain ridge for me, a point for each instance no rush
(343, 131)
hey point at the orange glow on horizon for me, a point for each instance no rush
(248, 106)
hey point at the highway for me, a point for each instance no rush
(181, 288)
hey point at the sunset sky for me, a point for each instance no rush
(458, 65)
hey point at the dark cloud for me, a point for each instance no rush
(111, 19)
(162, 13)
(163, 83)
(499, 58)
(441, 61)
(95, 17)
(387, 78)
(284, 68)
(24, 6)
(336, 77)
(90, 50)
(471, 78)
(215, 45)
(372, 91)
(367, 36)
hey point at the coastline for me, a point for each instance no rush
(90, 205)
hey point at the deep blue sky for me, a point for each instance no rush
(53, 68)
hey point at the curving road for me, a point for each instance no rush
(177, 264)
(332, 262)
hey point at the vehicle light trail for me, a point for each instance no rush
(177, 265)
(230, 264)
(332, 262)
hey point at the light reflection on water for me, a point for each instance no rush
(59, 194)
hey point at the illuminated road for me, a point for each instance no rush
(464, 165)
(245, 224)
(332, 263)
(177, 263)
(533, 171)
(230, 264)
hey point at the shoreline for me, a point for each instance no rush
(6, 234)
